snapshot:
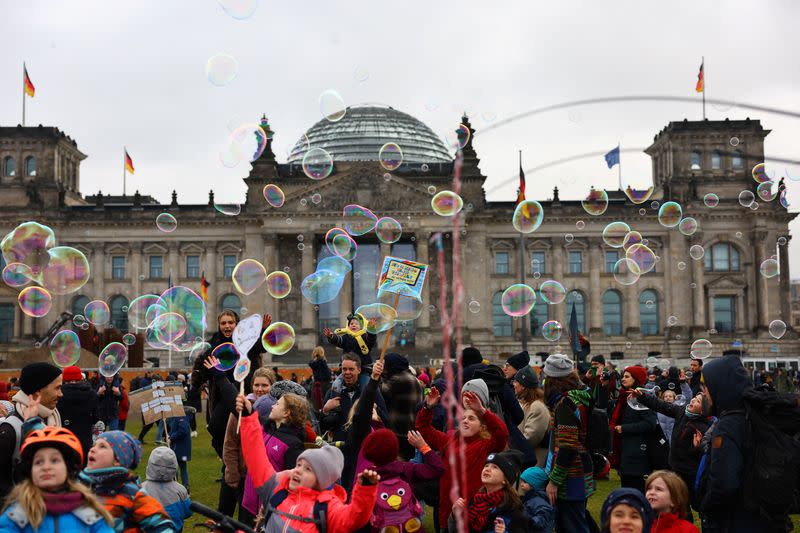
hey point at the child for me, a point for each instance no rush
(50, 499)
(535, 502)
(496, 506)
(180, 442)
(162, 469)
(354, 338)
(301, 498)
(108, 473)
(626, 511)
(669, 498)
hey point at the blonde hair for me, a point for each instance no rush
(678, 491)
(264, 372)
(318, 353)
(31, 499)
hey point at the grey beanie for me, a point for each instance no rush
(327, 463)
(162, 465)
(279, 388)
(479, 387)
(558, 365)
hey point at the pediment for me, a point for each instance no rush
(154, 249)
(229, 248)
(118, 249)
(192, 249)
(502, 245)
(538, 244)
(727, 281)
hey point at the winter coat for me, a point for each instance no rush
(78, 408)
(232, 454)
(516, 521)
(475, 453)
(335, 420)
(670, 523)
(694, 383)
(536, 422)
(341, 517)
(320, 370)
(359, 429)
(343, 339)
(721, 479)
(569, 464)
(81, 520)
(124, 404)
(636, 426)
(180, 437)
(541, 515)
(108, 402)
(411, 473)
(402, 393)
(162, 468)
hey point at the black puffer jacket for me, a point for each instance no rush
(402, 393)
(78, 410)
(108, 402)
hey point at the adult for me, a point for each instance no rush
(630, 429)
(601, 382)
(781, 381)
(337, 404)
(78, 406)
(568, 460)
(109, 396)
(696, 368)
(537, 417)
(515, 363)
(40, 386)
(402, 393)
(321, 374)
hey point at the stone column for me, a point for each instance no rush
(762, 289)
(630, 310)
(306, 269)
(595, 325)
(785, 289)
(173, 266)
(136, 269)
(424, 321)
(271, 262)
(98, 271)
(698, 294)
(556, 270)
(210, 268)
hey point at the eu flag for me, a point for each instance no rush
(612, 157)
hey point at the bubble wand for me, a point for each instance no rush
(240, 373)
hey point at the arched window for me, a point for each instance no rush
(30, 166)
(502, 323)
(539, 315)
(119, 312)
(577, 299)
(612, 313)
(78, 304)
(722, 257)
(696, 161)
(737, 161)
(648, 312)
(232, 302)
(9, 166)
(716, 160)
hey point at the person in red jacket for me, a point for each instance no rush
(124, 406)
(291, 499)
(669, 498)
(483, 433)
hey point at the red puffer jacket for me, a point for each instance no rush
(670, 523)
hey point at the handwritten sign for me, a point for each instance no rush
(403, 277)
(247, 332)
(161, 399)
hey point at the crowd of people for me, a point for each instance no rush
(371, 445)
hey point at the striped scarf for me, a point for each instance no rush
(482, 503)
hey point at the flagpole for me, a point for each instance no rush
(524, 333)
(124, 169)
(703, 63)
(23, 93)
(619, 164)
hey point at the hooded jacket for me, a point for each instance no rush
(541, 515)
(108, 401)
(402, 393)
(84, 519)
(162, 468)
(78, 408)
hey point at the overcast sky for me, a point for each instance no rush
(134, 73)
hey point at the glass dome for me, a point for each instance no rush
(359, 135)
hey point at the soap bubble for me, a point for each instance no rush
(28, 243)
(632, 237)
(388, 230)
(198, 350)
(228, 209)
(711, 200)
(248, 275)
(221, 69)
(760, 173)
(227, 354)
(274, 195)
(764, 191)
(701, 349)
(596, 202)
(390, 156)
(321, 286)
(138, 309)
(669, 215)
(552, 291)
(551, 330)
(777, 328)
(65, 348)
(129, 339)
(446, 203)
(166, 223)
(380, 317)
(17, 275)
(192, 308)
(66, 271)
(769, 268)
(278, 338)
(528, 216)
(518, 300)
(634, 404)
(462, 135)
(569, 237)
(746, 198)
(316, 198)
(614, 234)
(431, 189)
(97, 312)
(239, 9)
(168, 327)
(112, 359)
(638, 196)
(626, 271)
(782, 241)
(474, 307)
(687, 226)
(330, 235)
(643, 256)
(331, 105)
(317, 163)
(335, 264)
(344, 246)
(580, 224)
(279, 284)
(672, 320)
(358, 220)
(696, 252)
(681, 265)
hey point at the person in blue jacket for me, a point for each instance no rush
(162, 469)
(180, 442)
(536, 504)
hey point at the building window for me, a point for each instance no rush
(501, 263)
(192, 266)
(716, 160)
(30, 166)
(117, 267)
(696, 161)
(119, 312)
(539, 315)
(503, 324)
(612, 256)
(78, 304)
(328, 312)
(724, 314)
(9, 166)
(737, 161)
(612, 313)
(577, 300)
(575, 262)
(365, 274)
(538, 262)
(228, 264)
(156, 266)
(648, 312)
(723, 257)
(404, 332)
(7, 322)
(232, 302)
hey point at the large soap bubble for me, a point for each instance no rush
(528, 216)
(112, 359)
(67, 270)
(278, 338)
(28, 243)
(518, 300)
(248, 275)
(65, 348)
(321, 286)
(380, 317)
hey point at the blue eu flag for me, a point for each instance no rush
(612, 157)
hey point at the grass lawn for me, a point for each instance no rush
(204, 469)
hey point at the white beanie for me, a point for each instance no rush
(558, 365)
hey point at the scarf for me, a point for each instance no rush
(62, 502)
(616, 420)
(104, 481)
(690, 415)
(482, 503)
(357, 335)
(50, 417)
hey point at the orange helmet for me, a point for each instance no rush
(54, 437)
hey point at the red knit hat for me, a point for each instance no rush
(639, 374)
(72, 373)
(381, 447)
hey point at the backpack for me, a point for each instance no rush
(396, 507)
(771, 478)
(598, 433)
(15, 421)
(319, 515)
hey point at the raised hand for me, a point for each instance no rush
(369, 477)
(415, 439)
(433, 397)
(471, 401)
(327, 332)
(499, 525)
(32, 409)
(377, 370)
(210, 362)
(267, 321)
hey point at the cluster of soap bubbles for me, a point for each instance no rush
(31, 256)
(248, 275)
(173, 320)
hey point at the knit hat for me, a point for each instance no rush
(381, 447)
(470, 356)
(263, 405)
(424, 378)
(527, 378)
(479, 387)
(599, 359)
(558, 365)
(536, 477)
(510, 462)
(639, 374)
(326, 462)
(279, 388)
(127, 450)
(72, 373)
(520, 360)
(37, 376)
(631, 497)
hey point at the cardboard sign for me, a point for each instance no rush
(247, 332)
(157, 401)
(403, 277)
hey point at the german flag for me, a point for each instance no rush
(700, 87)
(204, 285)
(521, 191)
(30, 90)
(128, 162)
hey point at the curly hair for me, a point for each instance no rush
(297, 410)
